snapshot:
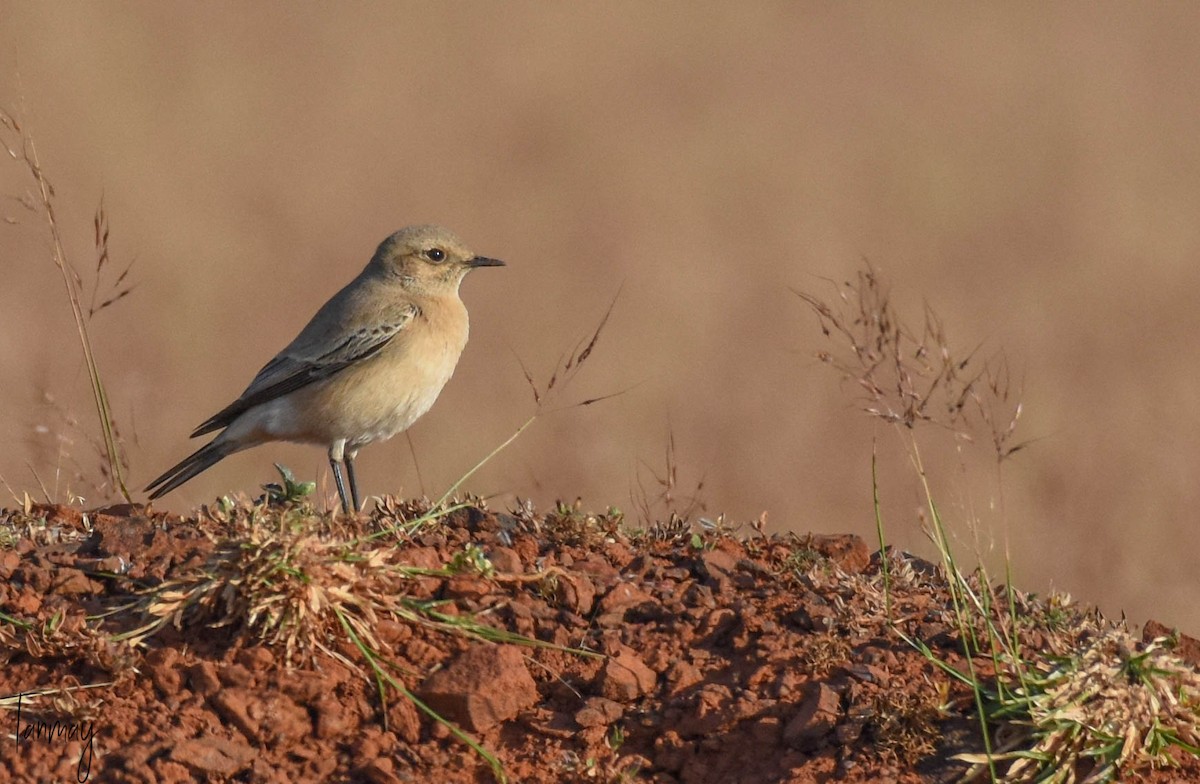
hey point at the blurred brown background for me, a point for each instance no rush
(1032, 172)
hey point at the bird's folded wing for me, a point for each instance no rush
(292, 370)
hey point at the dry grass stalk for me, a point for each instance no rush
(118, 289)
(567, 367)
(667, 495)
(25, 151)
(908, 377)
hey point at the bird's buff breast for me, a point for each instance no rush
(375, 400)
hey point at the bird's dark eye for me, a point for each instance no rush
(435, 254)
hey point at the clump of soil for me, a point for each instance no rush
(261, 643)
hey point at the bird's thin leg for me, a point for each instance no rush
(353, 482)
(337, 477)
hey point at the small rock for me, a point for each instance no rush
(576, 592)
(203, 679)
(404, 722)
(526, 547)
(868, 673)
(813, 614)
(671, 752)
(598, 712)
(28, 602)
(163, 664)
(233, 705)
(213, 755)
(467, 586)
(816, 718)
(236, 675)
(380, 771)
(766, 730)
(486, 685)
(331, 721)
(717, 564)
(281, 719)
(73, 582)
(600, 570)
(846, 550)
(9, 560)
(701, 596)
(114, 564)
(256, 658)
(625, 677)
(420, 558)
(622, 597)
(708, 711)
(718, 622)
(848, 732)
(505, 559)
(682, 675)
(115, 510)
(392, 632)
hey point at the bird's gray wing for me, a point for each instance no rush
(291, 369)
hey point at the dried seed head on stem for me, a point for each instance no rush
(908, 377)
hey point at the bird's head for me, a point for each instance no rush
(428, 259)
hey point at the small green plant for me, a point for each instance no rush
(472, 558)
(288, 492)
(802, 559)
(616, 737)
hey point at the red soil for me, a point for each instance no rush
(721, 659)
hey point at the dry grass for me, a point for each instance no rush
(295, 579)
(661, 497)
(1112, 706)
(19, 144)
(546, 397)
(905, 722)
(909, 376)
(825, 652)
(1086, 693)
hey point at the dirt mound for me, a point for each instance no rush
(259, 644)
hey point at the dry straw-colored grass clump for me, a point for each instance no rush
(1114, 704)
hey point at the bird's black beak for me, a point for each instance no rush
(484, 261)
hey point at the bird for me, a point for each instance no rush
(370, 363)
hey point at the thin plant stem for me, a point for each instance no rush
(99, 396)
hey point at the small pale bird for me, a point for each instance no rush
(368, 365)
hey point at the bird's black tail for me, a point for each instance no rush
(201, 460)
